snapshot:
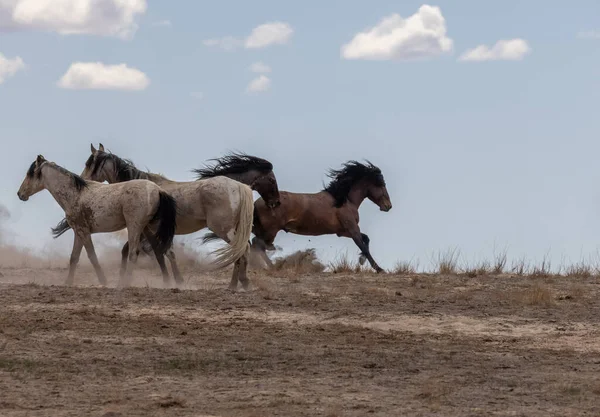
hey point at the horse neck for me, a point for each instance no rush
(61, 186)
(247, 177)
(155, 178)
(357, 194)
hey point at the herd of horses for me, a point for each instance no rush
(154, 208)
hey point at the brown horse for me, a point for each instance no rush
(243, 169)
(331, 211)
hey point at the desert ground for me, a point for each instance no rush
(298, 343)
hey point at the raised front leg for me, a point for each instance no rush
(363, 256)
(75, 254)
(89, 248)
(357, 237)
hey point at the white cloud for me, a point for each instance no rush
(92, 17)
(163, 23)
(268, 34)
(197, 95)
(259, 84)
(260, 68)
(421, 35)
(589, 34)
(228, 43)
(98, 76)
(274, 33)
(9, 67)
(503, 50)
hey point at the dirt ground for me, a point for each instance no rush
(313, 345)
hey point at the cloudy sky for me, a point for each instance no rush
(482, 115)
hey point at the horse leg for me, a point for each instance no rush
(234, 276)
(160, 257)
(363, 257)
(260, 246)
(134, 236)
(124, 256)
(176, 272)
(357, 237)
(75, 254)
(89, 248)
(242, 266)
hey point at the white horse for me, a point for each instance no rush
(223, 205)
(91, 207)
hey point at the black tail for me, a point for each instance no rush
(60, 228)
(166, 215)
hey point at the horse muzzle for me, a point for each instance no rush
(22, 197)
(386, 207)
(274, 204)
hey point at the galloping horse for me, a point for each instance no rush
(91, 207)
(214, 192)
(331, 211)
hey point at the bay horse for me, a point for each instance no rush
(256, 172)
(334, 210)
(91, 207)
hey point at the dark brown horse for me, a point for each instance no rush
(331, 211)
(243, 169)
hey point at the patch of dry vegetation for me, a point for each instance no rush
(537, 295)
(300, 262)
(446, 263)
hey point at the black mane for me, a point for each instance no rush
(345, 178)
(79, 182)
(125, 168)
(234, 163)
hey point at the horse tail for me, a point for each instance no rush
(240, 244)
(166, 215)
(60, 228)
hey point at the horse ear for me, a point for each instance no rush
(101, 148)
(93, 149)
(40, 159)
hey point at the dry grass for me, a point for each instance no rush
(343, 265)
(405, 268)
(299, 263)
(537, 295)
(446, 263)
(580, 270)
(542, 270)
(520, 267)
(484, 268)
(500, 260)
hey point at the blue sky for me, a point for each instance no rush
(476, 154)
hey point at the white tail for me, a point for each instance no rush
(240, 244)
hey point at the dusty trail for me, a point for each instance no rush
(330, 345)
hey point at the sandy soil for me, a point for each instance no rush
(315, 345)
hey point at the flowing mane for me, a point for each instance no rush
(125, 169)
(342, 180)
(233, 163)
(79, 182)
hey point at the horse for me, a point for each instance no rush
(257, 172)
(91, 207)
(334, 210)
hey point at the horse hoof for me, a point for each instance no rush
(379, 270)
(362, 258)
